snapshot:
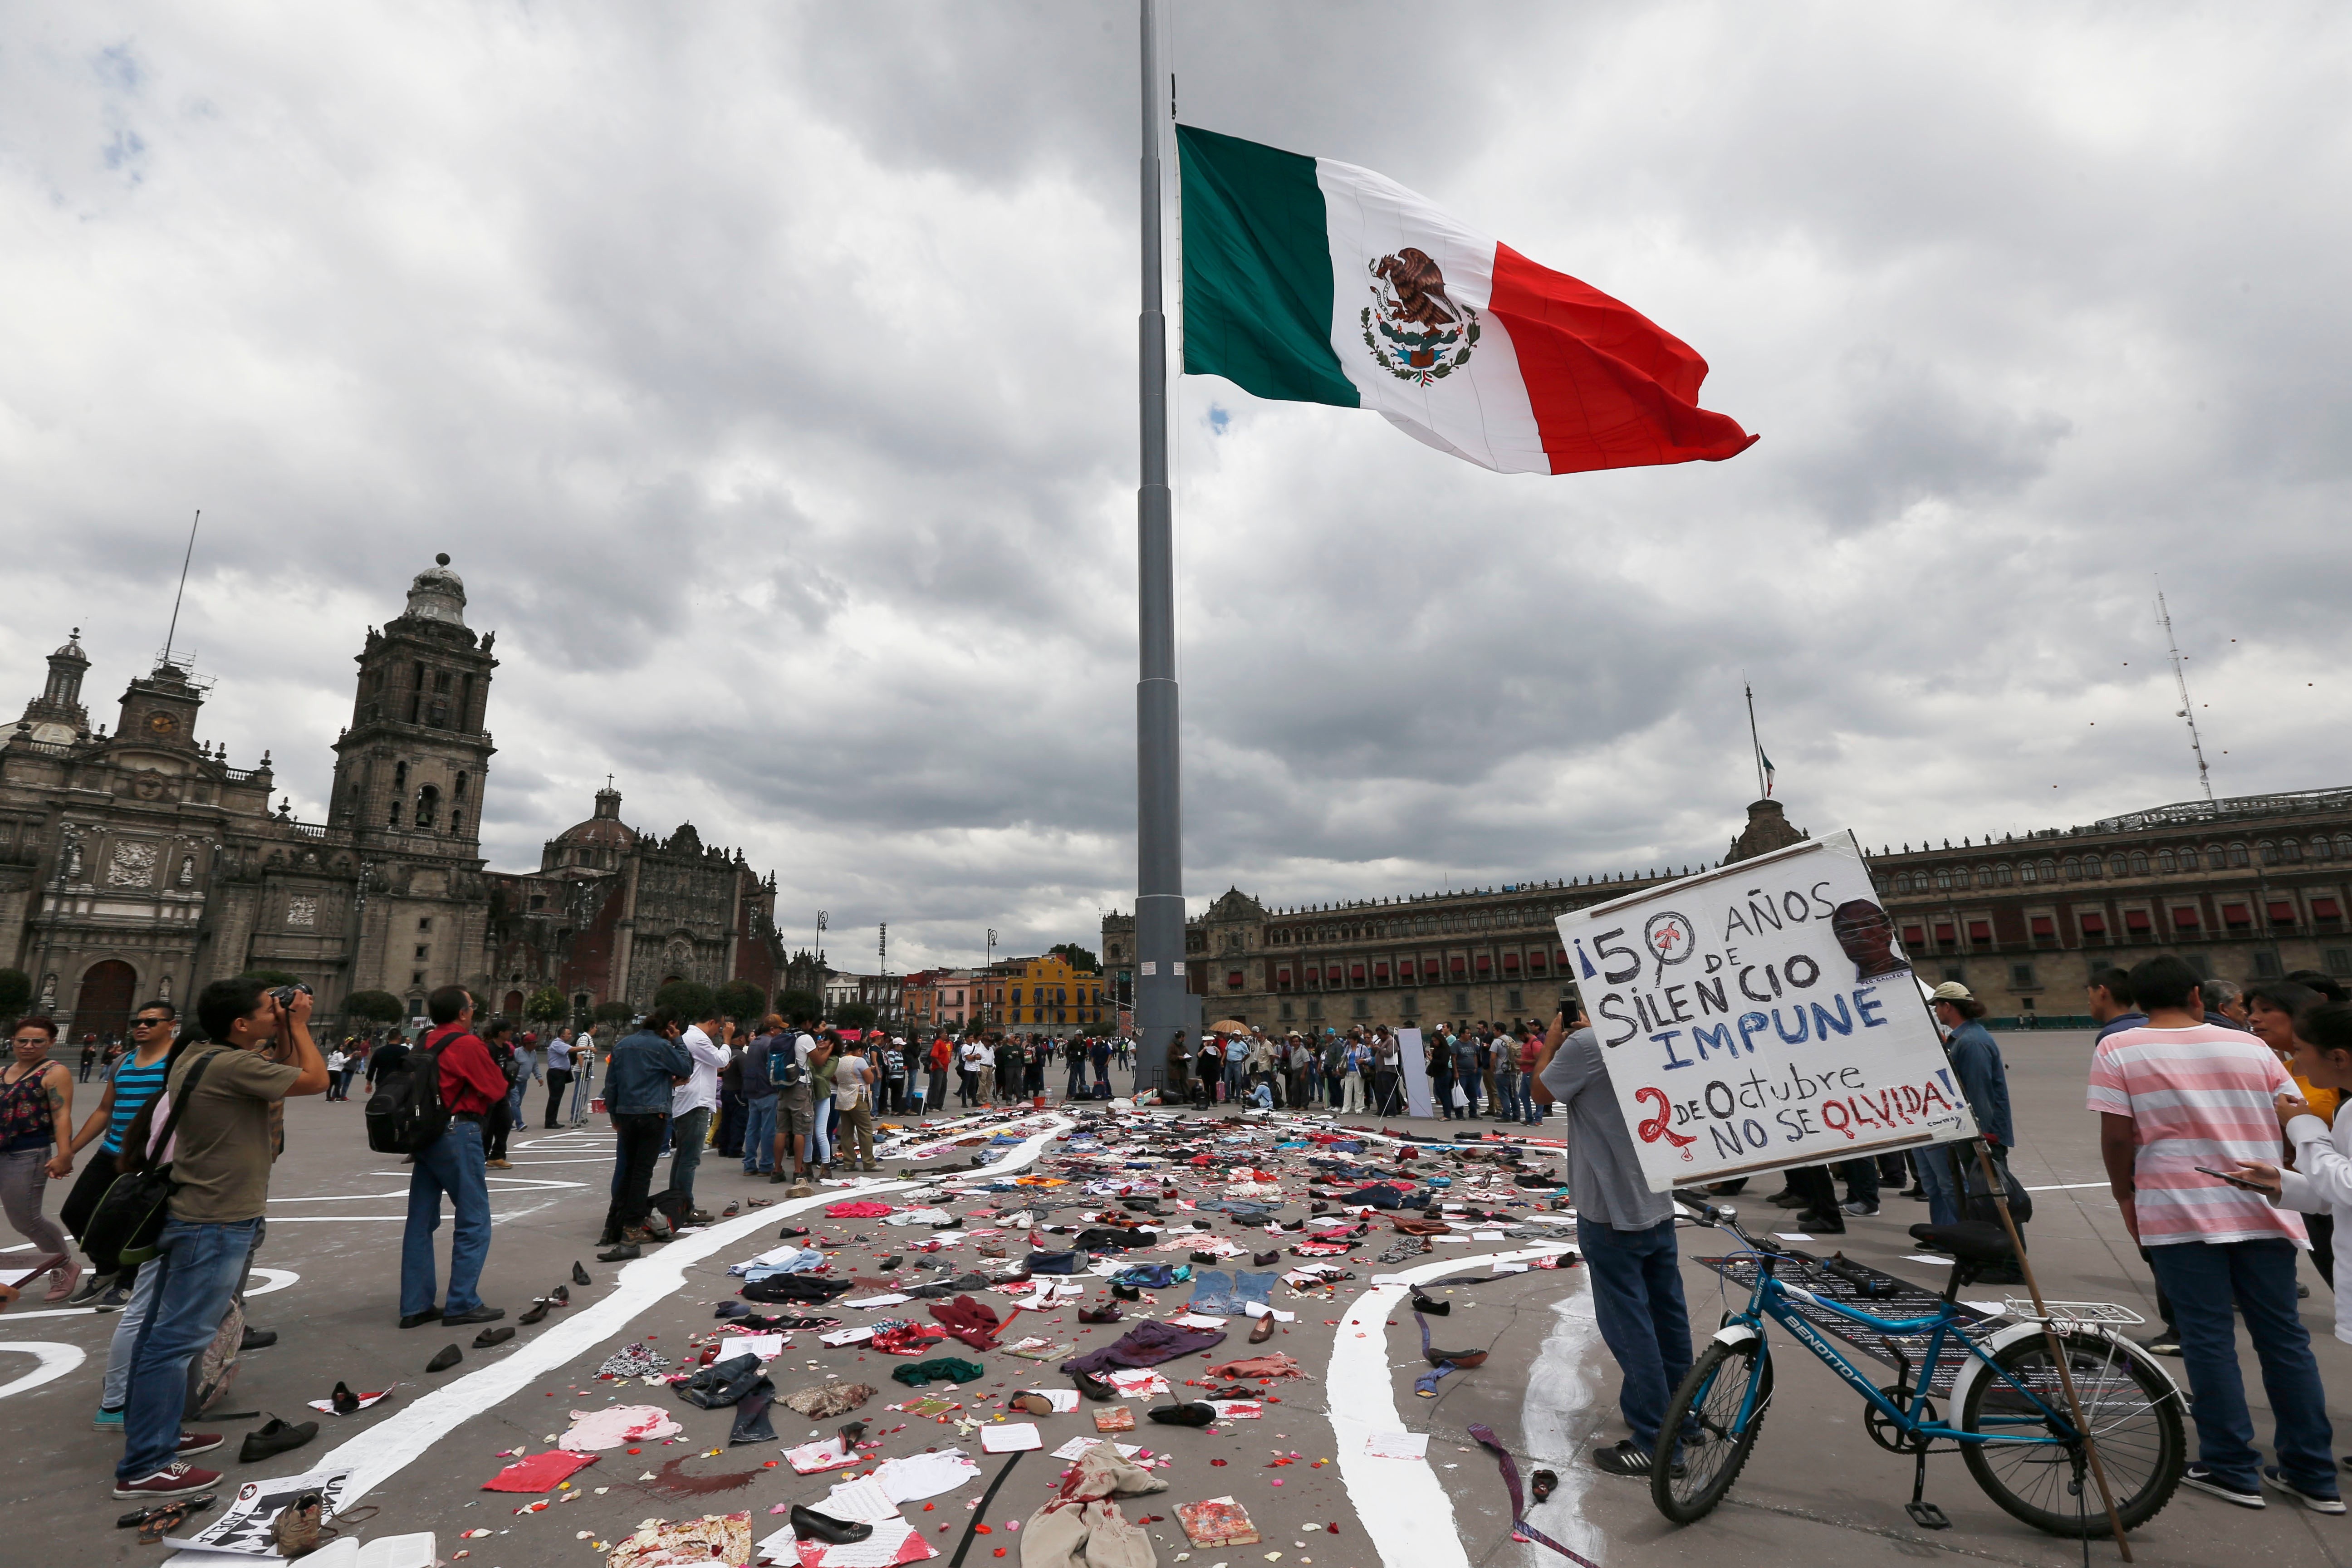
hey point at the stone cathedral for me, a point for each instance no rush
(145, 863)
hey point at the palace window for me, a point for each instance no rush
(2237, 853)
(2323, 908)
(2073, 870)
(2185, 919)
(2237, 917)
(2002, 875)
(2138, 864)
(1943, 879)
(2025, 871)
(2289, 850)
(2281, 912)
(2045, 929)
(2319, 846)
(2138, 922)
(2164, 859)
(2268, 852)
(1980, 930)
(2118, 866)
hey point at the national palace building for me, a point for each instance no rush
(2244, 888)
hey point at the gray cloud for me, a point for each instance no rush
(770, 375)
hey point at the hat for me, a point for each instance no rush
(1951, 991)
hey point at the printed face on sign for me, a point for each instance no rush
(1763, 1015)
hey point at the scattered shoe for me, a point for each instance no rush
(790, 1231)
(1265, 1259)
(173, 1480)
(561, 1294)
(2201, 1477)
(1099, 1314)
(579, 1274)
(1430, 1309)
(1198, 1412)
(277, 1438)
(1035, 1404)
(345, 1401)
(1100, 1388)
(418, 1320)
(700, 1217)
(496, 1336)
(620, 1254)
(256, 1338)
(892, 1262)
(473, 1315)
(1542, 1484)
(730, 1211)
(448, 1356)
(851, 1434)
(1262, 1331)
(1127, 1292)
(2317, 1502)
(810, 1525)
(536, 1310)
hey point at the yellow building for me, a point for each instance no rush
(1045, 994)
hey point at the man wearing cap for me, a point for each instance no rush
(1976, 1062)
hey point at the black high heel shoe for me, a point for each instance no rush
(810, 1525)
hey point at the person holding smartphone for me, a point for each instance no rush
(2321, 1179)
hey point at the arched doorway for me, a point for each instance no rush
(514, 1005)
(103, 1008)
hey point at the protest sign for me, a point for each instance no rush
(1762, 1015)
(1414, 1074)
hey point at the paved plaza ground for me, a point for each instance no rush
(1818, 1491)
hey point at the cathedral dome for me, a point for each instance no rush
(438, 593)
(72, 649)
(604, 828)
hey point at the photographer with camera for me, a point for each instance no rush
(221, 1154)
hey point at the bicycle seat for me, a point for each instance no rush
(1971, 1241)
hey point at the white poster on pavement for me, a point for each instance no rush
(1762, 1015)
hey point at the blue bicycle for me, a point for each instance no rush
(2012, 1425)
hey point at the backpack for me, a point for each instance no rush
(214, 1368)
(129, 1220)
(404, 1114)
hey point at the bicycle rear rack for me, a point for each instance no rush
(2080, 1314)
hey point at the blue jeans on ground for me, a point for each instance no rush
(759, 1135)
(1531, 1112)
(2202, 1279)
(196, 1272)
(1935, 1169)
(1637, 1299)
(1507, 1096)
(451, 1163)
(688, 1130)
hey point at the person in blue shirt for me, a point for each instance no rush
(1976, 1064)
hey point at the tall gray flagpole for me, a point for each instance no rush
(1159, 819)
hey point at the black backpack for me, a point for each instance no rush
(404, 1114)
(129, 1220)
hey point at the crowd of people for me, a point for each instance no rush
(2225, 1126)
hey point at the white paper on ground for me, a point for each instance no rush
(1198, 1321)
(1908, 1258)
(1012, 1437)
(921, 1476)
(243, 1525)
(1791, 1235)
(767, 1347)
(1259, 1310)
(1486, 1236)
(386, 1552)
(863, 1499)
(1512, 1268)
(1396, 1444)
(810, 1458)
(887, 1299)
(1077, 1446)
(847, 1336)
(1137, 1382)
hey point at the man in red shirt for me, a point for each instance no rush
(453, 1163)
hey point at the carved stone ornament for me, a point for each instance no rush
(134, 865)
(301, 911)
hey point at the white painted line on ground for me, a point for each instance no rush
(54, 1312)
(2068, 1186)
(1405, 1511)
(56, 1360)
(383, 1450)
(268, 1279)
(1561, 1385)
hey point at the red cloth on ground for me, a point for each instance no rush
(538, 1472)
(857, 1211)
(968, 1321)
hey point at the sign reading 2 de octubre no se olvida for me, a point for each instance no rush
(1762, 1015)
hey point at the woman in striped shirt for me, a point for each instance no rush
(136, 1077)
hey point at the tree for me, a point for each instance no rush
(373, 1007)
(547, 1005)
(797, 1004)
(853, 1016)
(1079, 958)
(614, 1012)
(689, 999)
(15, 990)
(740, 999)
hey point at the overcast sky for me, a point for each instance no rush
(768, 371)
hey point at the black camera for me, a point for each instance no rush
(286, 994)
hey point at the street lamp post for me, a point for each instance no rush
(820, 965)
(988, 981)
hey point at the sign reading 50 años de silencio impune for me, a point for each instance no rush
(1762, 1015)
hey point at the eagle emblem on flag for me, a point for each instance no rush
(1417, 332)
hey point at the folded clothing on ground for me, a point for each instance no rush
(1277, 1364)
(973, 1322)
(794, 1287)
(829, 1399)
(615, 1425)
(942, 1369)
(1146, 1344)
(538, 1472)
(722, 1382)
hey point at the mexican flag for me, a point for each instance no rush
(1317, 282)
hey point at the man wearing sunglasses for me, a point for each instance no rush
(136, 1077)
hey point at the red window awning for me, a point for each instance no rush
(1404, 968)
(1457, 963)
(1535, 961)
(2236, 915)
(2093, 920)
(2185, 920)
(1944, 933)
(1510, 961)
(1916, 935)
(2137, 920)
(2325, 910)
(1331, 975)
(1486, 961)
(1282, 977)
(1980, 930)
(2044, 926)
(1233, 979)
(1356, 972)
(1380, 972)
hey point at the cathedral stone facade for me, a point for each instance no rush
(144, 863)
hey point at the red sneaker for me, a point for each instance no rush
(173, 1480)
(194, 1443)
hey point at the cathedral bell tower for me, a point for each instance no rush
(415, 760)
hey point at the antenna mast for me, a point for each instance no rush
(173, 635)
(1755, 746)
(2181, 679)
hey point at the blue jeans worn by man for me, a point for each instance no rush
(1934, 1167)
(2204, 1279)
(197, 1269)
(759, 1135)
(1637, 1300)
(1507, 1094)
(1534, 1113)
(451, 1163)
(688, 1130)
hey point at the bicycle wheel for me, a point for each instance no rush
(1701, 1412)
(2132, 1409)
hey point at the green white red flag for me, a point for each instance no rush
(1317, 282)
